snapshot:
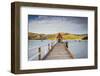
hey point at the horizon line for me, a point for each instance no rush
(58, 32)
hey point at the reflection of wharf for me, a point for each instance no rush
(52, 51)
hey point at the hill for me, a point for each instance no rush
(66, 36)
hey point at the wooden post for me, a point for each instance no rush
(49, 47)
(39, 53)
(66, 44)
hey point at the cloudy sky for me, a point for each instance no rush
(55, 24)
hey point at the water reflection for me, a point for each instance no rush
(78, 47)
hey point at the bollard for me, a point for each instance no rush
(49, 47)
(39, 56)
(66, 44)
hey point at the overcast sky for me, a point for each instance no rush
(55, 24)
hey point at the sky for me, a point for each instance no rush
(55, 24)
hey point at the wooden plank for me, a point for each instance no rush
(59, 52)
(50, 50)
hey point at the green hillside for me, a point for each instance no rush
(66, 36)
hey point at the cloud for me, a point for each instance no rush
(54, 24)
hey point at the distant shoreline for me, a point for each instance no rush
(66, 36)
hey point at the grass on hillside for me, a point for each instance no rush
(35, 36)
(67, 37)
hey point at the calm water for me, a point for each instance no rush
(33, 47)
(37, 43)
(78, 48)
